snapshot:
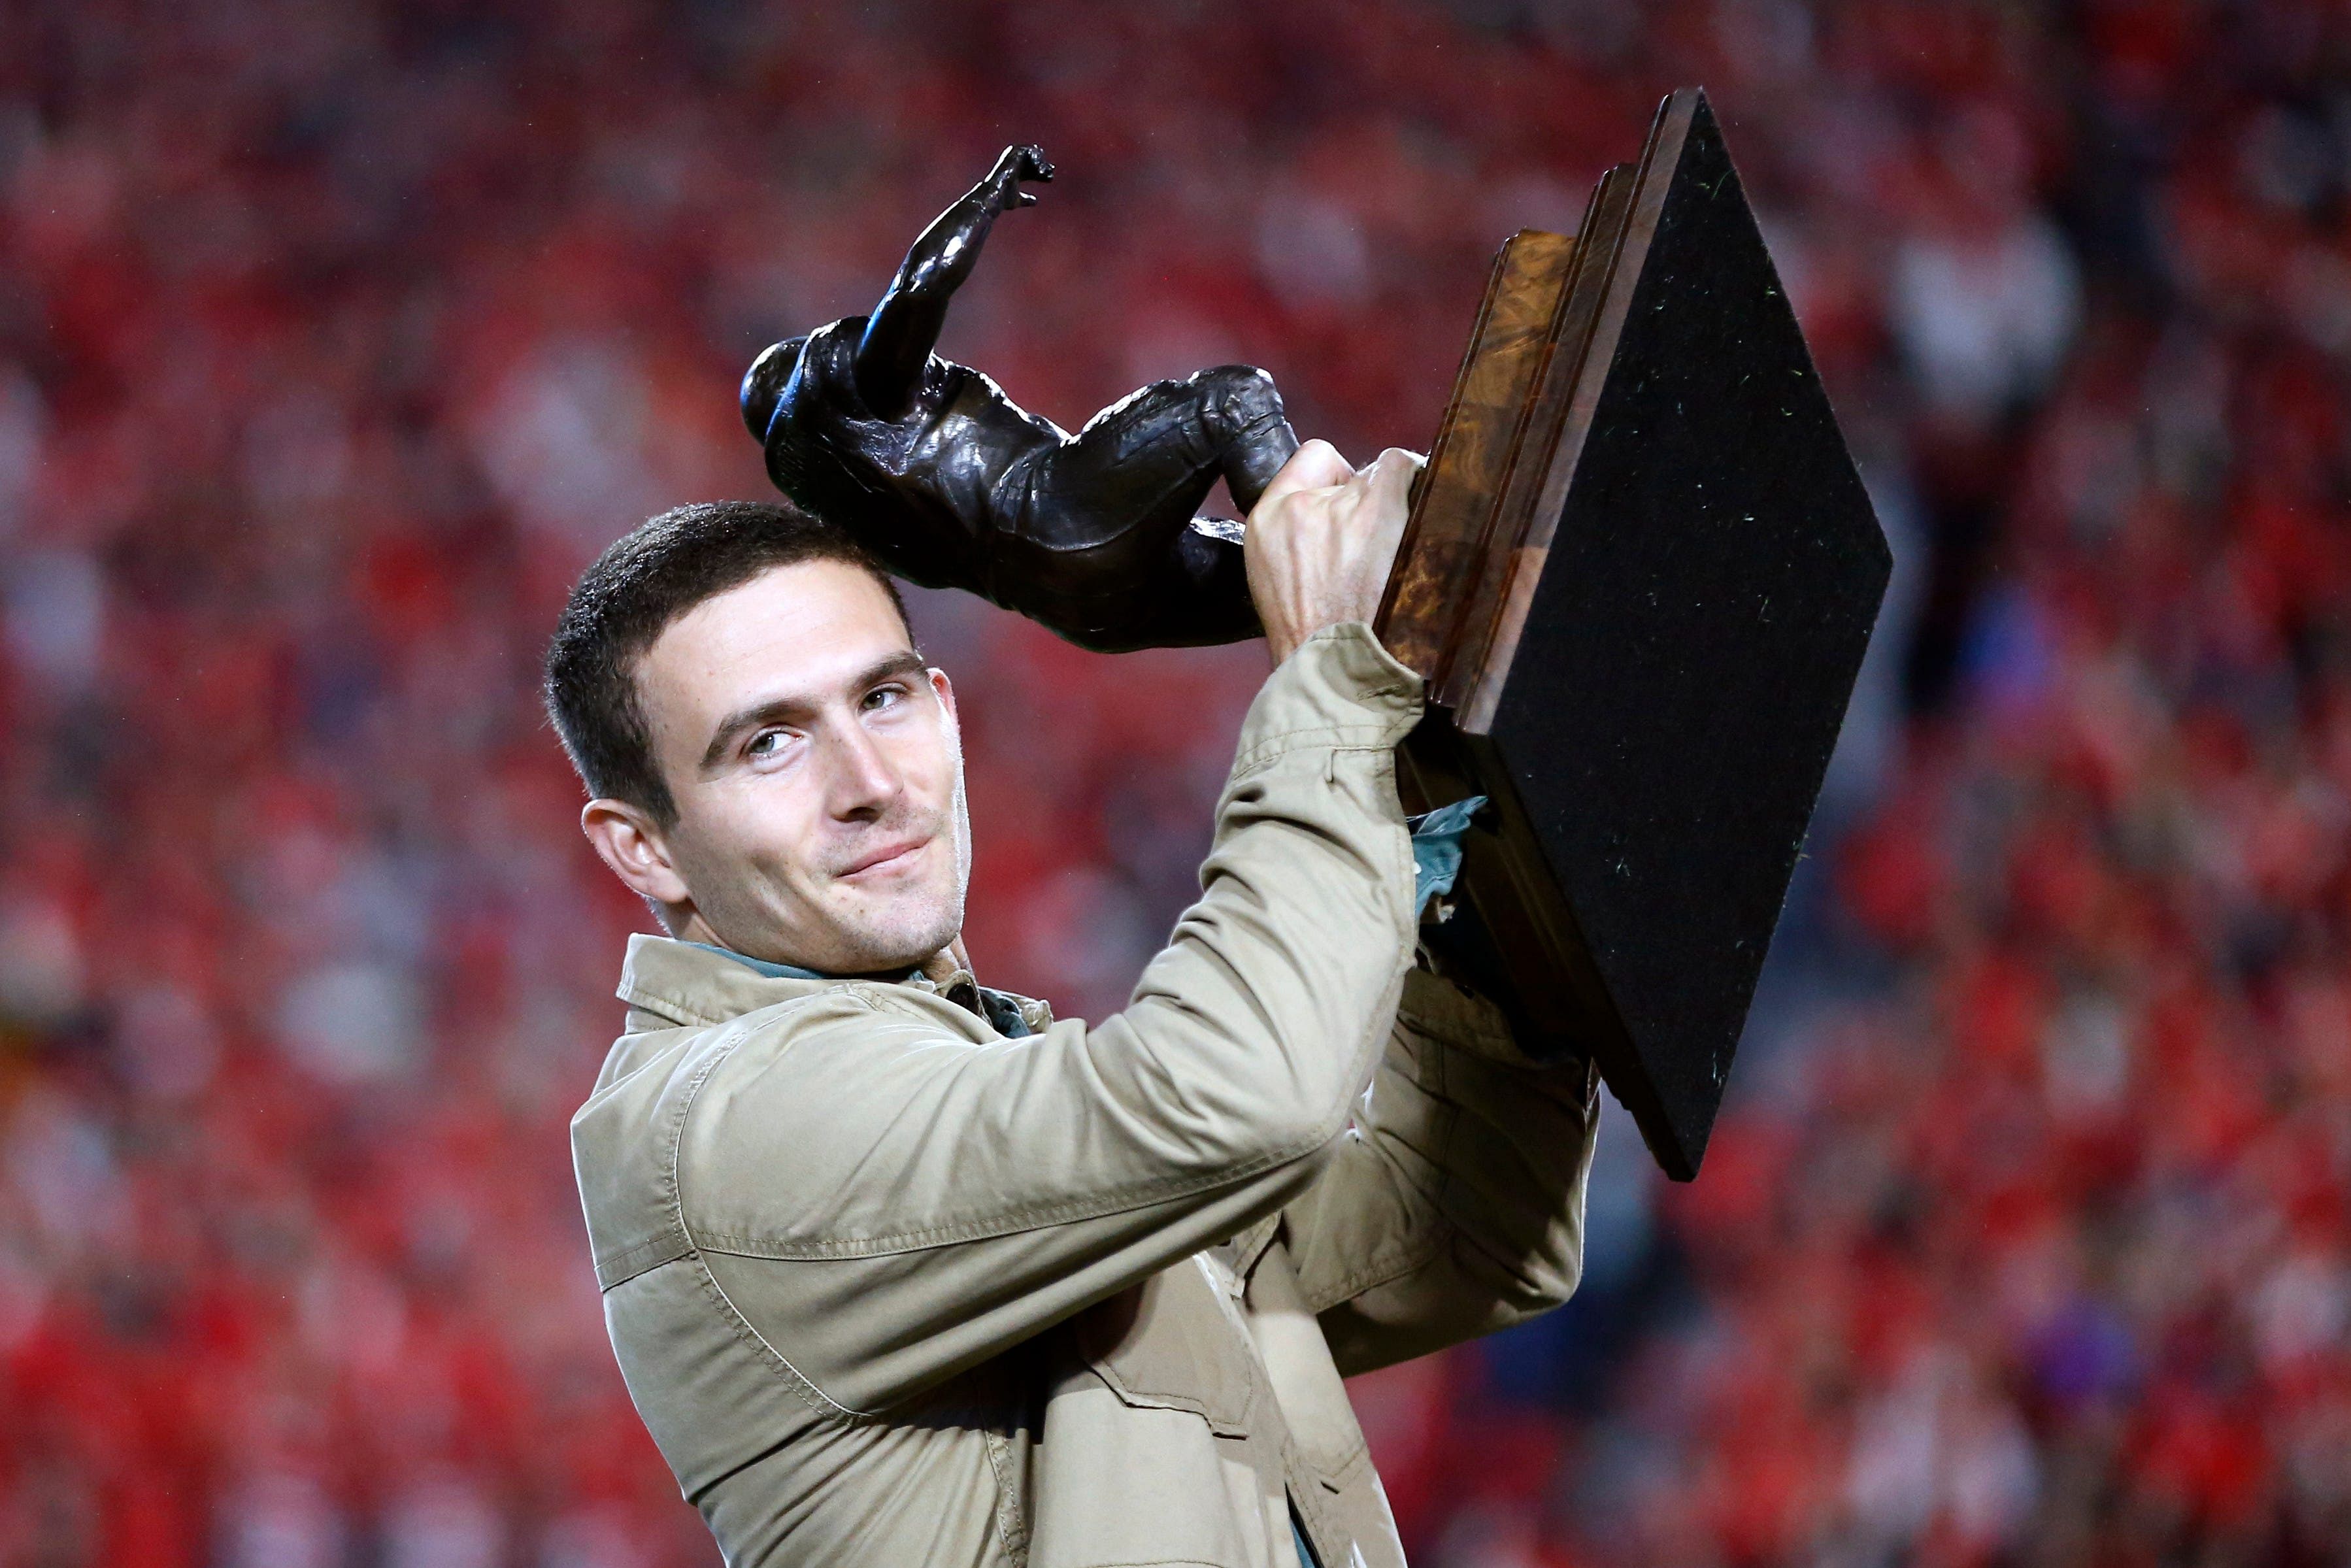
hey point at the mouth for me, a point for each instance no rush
(884, 859)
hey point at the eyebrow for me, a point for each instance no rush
(906, 662)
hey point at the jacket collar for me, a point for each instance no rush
(685, 983)
(690, 985)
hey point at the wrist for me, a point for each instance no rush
(1285, 643)
(1339, 687)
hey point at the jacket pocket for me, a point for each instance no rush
(1174, 1343)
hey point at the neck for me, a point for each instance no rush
(690, 926)
(944, 962)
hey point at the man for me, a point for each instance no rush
(900, 1270)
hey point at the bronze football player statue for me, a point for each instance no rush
(953, 484)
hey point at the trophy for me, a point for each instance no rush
(1639, 575)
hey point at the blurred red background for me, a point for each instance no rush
(335, 340)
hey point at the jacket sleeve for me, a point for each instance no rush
(1454, 1205)
(884, 1203)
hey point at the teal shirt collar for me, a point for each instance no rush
(774, 971)
(998, 1008)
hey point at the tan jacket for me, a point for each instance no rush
(891, 1289)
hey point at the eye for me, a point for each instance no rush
(881, 697)
(765, 744)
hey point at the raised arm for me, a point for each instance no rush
(886, 1204)
(889, 1203)
(903, 327)
(1454, 1205)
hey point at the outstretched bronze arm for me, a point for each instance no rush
(903, 330)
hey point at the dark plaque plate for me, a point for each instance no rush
(1641, 575)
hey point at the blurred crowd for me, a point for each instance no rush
(334, 340)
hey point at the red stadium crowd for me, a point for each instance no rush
(335, 340)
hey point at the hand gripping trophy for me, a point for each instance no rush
(953, 484)
(1638, 578)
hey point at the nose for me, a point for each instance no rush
(863, 782)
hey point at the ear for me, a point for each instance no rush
(946, 690)
(629, 841)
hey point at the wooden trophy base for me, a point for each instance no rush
(1639, 576)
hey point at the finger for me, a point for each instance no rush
(1391, 477)
(1315, 466)
(1384, 484)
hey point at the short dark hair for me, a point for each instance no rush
(644, 581)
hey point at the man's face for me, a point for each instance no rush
(817, 775)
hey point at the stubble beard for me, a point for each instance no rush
(924, 927)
